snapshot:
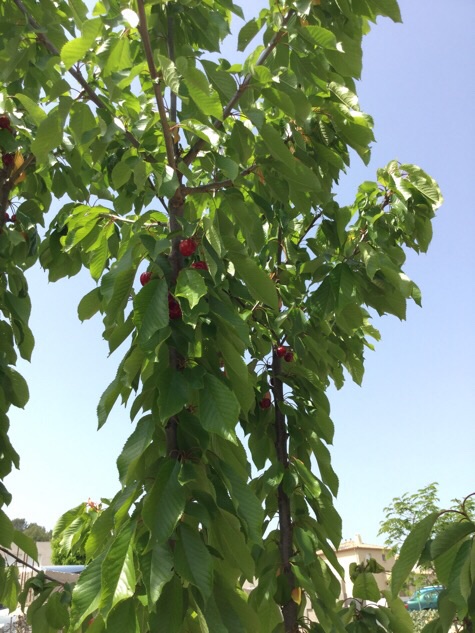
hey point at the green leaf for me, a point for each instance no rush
(247, 33)
(123, 619)
(398, 615)
(158, 570)
(75, 49)
(170, 608)
(37, 114)
(151, 310)
(118, 571)
(170, 73)
(49, 134)
(119, 57)
(366, 587)
(164, 504)
(57, 612)
(449, 536)
(134, 448)
(18, 388)
(26, 544)
(204, 96)
(174, 393)
(6, 530)
(121, 174)
(218, 408)
(191, 286)
(411, 551)
(87, 592)
(193, 560)
(90, 304)
(320, 36)
(226, 536)
(258, 282)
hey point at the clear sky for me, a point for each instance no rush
(412, 422)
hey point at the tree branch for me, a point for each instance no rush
(213, 186)
(93, 96)
(167, 135)
(290, 609)
(171, 55)
(193, 151)
(21, 561)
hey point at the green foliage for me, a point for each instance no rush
(421, 618)
(124, 115)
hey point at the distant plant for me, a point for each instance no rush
(422, 618)
(33, 530)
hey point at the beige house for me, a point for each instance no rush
(356, 551)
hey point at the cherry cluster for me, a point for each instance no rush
(187, 247)
(8, 158)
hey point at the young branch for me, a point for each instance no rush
(193, 151)
(290, 609)
(213, 186)
(21, 561)
(167, 135)
(171, 55)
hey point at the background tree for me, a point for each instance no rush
(33, 530)
(407, 511)
(199, 194)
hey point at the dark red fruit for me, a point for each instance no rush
(281, 351)
(200, 265)
(145, 278)
(187, 247)
(5, 123)
(265, 403)
(13, 218)
(8, 160)
(6, 217)
(174, 310)
(289, 357)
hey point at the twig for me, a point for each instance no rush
(171, 55)
(290, 609)
(21, 561)
(315, 219)
(93, 96)
(119, 218)
(167, 135)
(218, 124)
(220, 184)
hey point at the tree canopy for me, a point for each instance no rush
(199, 193)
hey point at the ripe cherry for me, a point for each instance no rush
(289, 357)
(187, 247)
(265, 403)
(281, 351)
(8, 160)
(174, 309)
(145, 277)
(200, 265)
(5, 123)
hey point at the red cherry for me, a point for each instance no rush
(145, 277)
(6, 217)
(199, 265)
(289, 357)
(8, 160)
(13, 218)
(281, 351)
(265, 403)
(174, 309)
(5, 123)
(187, 247)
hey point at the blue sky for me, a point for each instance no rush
(412, 421)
